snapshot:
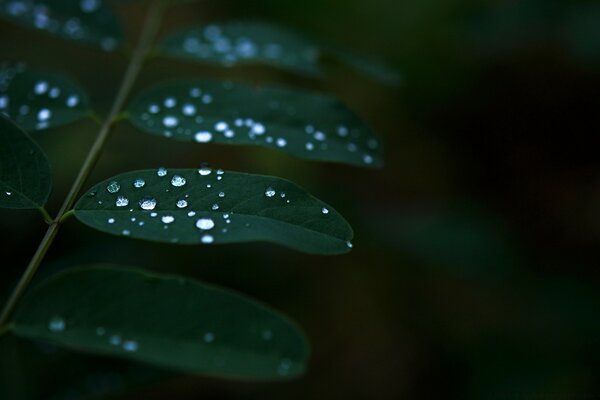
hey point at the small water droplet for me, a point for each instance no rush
(148, 203)
(221, 194)
(325, 210)
(57, 324)
(161, 171)
(207, 239)
(203, 137)
(204, 171)
(182, 203)
(139, 183)
(205, 224)
(349, 244)
(111, 220)
(167, 219)
(267, 334)
(281, 142)
(115, 340)
(122, 201)
(44, 114)
(191, 213)
(113, 187)
(215, 207)
(270, 192)
(170, 121)
(130, 345)
(178, 181)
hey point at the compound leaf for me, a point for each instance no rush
(204, 206)
(304, 124)
(37, 99)
(166, 321)
(86, 21)
(25, 176)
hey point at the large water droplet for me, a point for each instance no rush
(205, 224)
(178, 181)
(148, 203)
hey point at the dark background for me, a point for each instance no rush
(475, 267)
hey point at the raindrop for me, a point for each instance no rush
(215, 207)
(167, 219)
(161, 171)
(270, 192)
(130, 345)
(122, 201)
(170, 121)
(188, 110)
(182, 203)
(221, 194)
(126, 232)
(113, 187)
(221, 126)
(57, 324)
(205, 224)
(148, 203)
(111, 220)
(100, 331)
(203, 137)
(72, 101)
(139, 183)
(115, 340)
(324, 210)
(44, 114)
(281, 142)
(178, 181)
(258, 129)
(191, 213)
(40, 87)
(204, 171)
(207, 239)
(349, 244)
(209, 337)
(368, 159)
(309, 146)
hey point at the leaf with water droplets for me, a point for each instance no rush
(166, 321)
(25, 176)
(205, 206)
(86, 21)
(244, 42)
(304, 124)
(37, 99)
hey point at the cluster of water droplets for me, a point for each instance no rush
(41, 15)
(200, 114)
(228, 46)
(41, 102)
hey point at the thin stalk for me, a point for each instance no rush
(47, 218)
(149, 31)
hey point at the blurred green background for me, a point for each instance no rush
(474, 273)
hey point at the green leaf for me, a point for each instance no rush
(25, 176)
(85, 21)
(204, 206)
(244, 42)
(167, 321)
(37, 99)
(304, 124)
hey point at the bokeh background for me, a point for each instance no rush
(475, 268)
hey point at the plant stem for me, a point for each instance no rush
(46, 216)
(149, 31)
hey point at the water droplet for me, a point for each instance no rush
(207, 239)
(113, 187)
(204, 171)
(57, 324)
(368, 159)
(221, 194)
(191, 213)
(139, 183)
(221, 126)
(349, 244)
(130, 345)
(167, 219)
(182, 203)
(122, 201)
(111, 220)
(170, 121)
(178, 181)
(205, 224)
(258, 129)
(170, 102)
(115, 340)
(325, 210)
(309, 146)
(281, 142)
(209, 337)
(188, 110)
(126, 232)
(270, 192)
(72, 101)
(148, 203)
(44, 114)
(215, 207)
(284, 366)
(203, 137)
(161, 171)
(40, 87)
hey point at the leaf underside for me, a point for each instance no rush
(254, 42)
(85, 21)
(25, 176)
(189, 206)
(166, 321)
(37, 99)
(304, 124)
